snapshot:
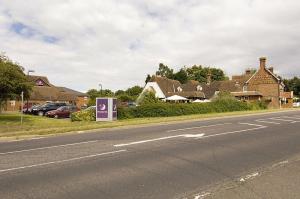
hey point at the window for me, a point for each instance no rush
(199, 88)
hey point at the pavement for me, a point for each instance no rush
(198, 159)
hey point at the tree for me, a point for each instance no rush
(13, 81)
(147, 98)
(200, 73)
(292, 85)
(148, 78)
(93, 94)
(134, 91)
(181, 76)
(165, 71)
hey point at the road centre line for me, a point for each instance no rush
(196, 136)
(197, 127)
(62, 161)
(232, 132)
(268, 122)
(49, 147)
(158, 139)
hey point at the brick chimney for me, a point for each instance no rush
(248, 71)
(262, 61)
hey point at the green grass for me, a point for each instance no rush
(10, 125)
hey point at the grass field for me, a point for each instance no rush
(11, 127)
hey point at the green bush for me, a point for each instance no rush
(223, 103)
(84, 115)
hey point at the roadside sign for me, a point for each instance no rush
(106, 109)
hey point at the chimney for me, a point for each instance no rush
(248, 72)
(208, 80)
(271, 69)
(262, 61)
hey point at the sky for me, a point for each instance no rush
(83, 43)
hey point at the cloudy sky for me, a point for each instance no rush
(81, 43)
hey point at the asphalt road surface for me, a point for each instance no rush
(159, 161)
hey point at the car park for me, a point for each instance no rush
(62, 112)
(41, 110)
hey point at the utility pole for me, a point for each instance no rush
(100, 85)
(22, 99)
(29, 71)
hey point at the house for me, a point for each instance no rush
(43, 91)
(262, 85)
(163, 88)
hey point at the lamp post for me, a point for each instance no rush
(100, 85)
(28, 72)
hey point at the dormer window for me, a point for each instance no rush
(39, 82)
(179, 89)
(245, 88)
(199, 88)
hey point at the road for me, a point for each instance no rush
(159, 161)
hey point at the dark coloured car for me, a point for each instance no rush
(41, 110)
(62, 112)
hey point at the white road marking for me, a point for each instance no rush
(197, 127)
(61, 161)
(280, 119)
(297, 118)
(196, 136)
(248, 177)
(250, 124)
(49, 147)
(268, 122)
(202, 196)
(162, 138)
(234, 132)
(280, 163)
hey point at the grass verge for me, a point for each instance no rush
(11, 128)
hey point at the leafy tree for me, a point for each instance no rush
(292, 85)
(165, 71)
(147, 98)
(181, 76)
(93, 94)
(200, 73)
(13, 81)
(148, 78)
(120, 92)
(134, 91)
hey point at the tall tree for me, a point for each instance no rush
(181, 76)
(148, 78)
(165, 71)
(13, 81)
(292, 85)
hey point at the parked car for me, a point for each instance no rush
(62, 112)
(41, 110)
(296, 104)
(30, 107)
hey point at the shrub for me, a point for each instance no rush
(84, 115)
(222, 103)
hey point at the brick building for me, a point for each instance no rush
(254, 85)
(43, 91)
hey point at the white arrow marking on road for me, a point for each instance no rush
(162, 138)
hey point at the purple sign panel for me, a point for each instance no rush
(114, 108)
(102, 108)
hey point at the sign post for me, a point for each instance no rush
(106, 109)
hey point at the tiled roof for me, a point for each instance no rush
(49, 92)
(246, 93)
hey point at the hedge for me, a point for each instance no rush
(166, 109)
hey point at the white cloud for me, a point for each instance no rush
(117, 43)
